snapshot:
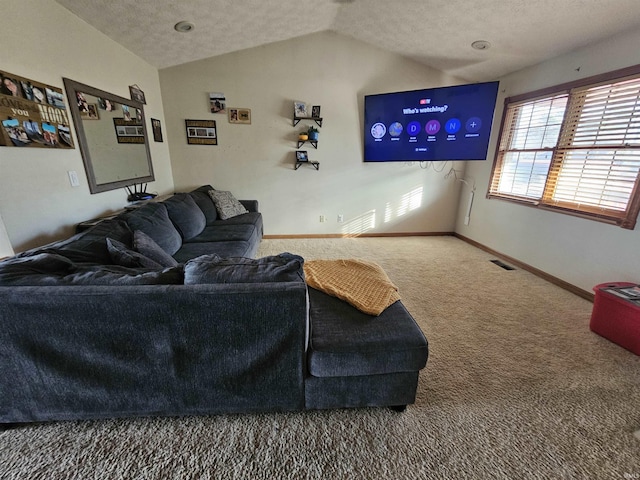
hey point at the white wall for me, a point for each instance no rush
(256, 161)
(581, 252)
(43, 41)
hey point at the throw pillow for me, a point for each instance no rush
(226, 204)
(126, 257)
(147, 246)
(153, 219)
(285, 267)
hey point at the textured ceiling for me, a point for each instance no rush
(434, 32)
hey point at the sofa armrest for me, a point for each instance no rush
(107, 351)
(251, 205)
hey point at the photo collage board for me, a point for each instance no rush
(32, 114)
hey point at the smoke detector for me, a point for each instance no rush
(481, 45)
(184, 27)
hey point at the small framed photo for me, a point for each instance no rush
(217, 102)
(157, 130)
(91, 112)
(315, 111)
(240, 115)
(300, 109)
(301, 156)
(137, 94)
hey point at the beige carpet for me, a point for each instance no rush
(516, 387)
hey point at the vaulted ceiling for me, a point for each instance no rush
(433, 32)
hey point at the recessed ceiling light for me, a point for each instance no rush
(184, 26)
(481, 45)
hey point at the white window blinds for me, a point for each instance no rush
(575, 150)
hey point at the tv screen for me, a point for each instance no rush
(436, 124)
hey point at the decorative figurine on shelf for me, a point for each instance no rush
(303, 136)
(313, 133)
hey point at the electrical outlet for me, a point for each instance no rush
(73, 178)
(323, 219)
(340, 218)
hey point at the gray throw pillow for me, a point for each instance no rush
(126, 257)
(147, 246)
(285, 267)
(153, 219)
(226, 204)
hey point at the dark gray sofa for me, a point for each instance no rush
(92, 328)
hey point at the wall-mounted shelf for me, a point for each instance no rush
(312, 142)
(315, 165)
(296, 120)
(301, 156)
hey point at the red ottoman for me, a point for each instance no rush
(616, 318)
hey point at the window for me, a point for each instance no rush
(574, 148)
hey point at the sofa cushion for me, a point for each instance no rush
(236, 248)
(226, 204)
(251, 218)
(127, 257)
(153, 220)
(347, 342)
(285, 267)
(205, 202)
(185, 215)
(89, 246)
(118, 275)
(144, 244)
(225, 233)
(38, 269)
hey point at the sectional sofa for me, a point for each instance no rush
(162, 310)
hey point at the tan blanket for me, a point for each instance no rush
(365, 285)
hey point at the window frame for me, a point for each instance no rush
(628, 220)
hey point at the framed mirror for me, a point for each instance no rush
(112, 135)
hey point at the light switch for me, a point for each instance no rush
(73, 178)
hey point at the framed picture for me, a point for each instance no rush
(201, 132)
(91, 112)
(217, 102)
(33, 114)
(300, 109)
(240, 115)
(128, 131)
(137, 94)
(301, 156)
(315, 111)
(157, 130)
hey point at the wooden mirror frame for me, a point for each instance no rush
(72, 88)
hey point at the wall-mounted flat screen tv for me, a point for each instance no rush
(436, 124)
